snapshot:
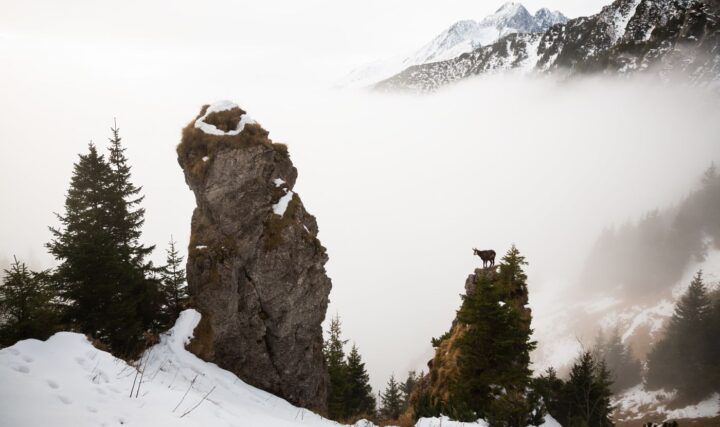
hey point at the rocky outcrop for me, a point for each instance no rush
(484, 356)
(255, 267)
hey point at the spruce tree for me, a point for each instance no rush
(129, 216)
(626, 370)
(681, 360)
(26, 305)
(109, 290)
(546, 397)
(713, 341)
(84, 245)
(408, 387)
(586, 395)
(494, 357)
(337, 370)
(391, 400)
(359, 400)
(173, 284)
(141, 289)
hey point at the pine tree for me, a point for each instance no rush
(546, 397)
(26, 305)
(626, 370)
(681, 360)
(391, 400)
(337, 370)
(408, 387)
(129, 216)
(84, 246)
(494, 357)
(586, 395)
(109, 291)
(142, 289)
(713, 342)
(359, 400)
(173, 284)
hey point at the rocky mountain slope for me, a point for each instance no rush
(461, 37)
(662, 37)
(255, 267)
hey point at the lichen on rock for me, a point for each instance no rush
(256, 276)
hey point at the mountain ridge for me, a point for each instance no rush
(460, 37)
(625, 37)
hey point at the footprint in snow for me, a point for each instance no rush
(64, 399)
(53, 384)
(91, 409)
(22, 368)
(28, 359)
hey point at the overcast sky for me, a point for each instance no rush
(402, 187)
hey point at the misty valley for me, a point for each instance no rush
(283, 214)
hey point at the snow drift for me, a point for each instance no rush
(65, 381)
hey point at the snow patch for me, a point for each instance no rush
(444, 421)
(280, 207)
(636, 402)
(219, 107)
(278, 182)
(620, 21)
(709, 407)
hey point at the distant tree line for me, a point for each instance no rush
(626, 370)
(687, 358)
(654, 252)
(103, 286)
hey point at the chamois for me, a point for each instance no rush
(488, 257)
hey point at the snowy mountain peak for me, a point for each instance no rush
(546, 18)
(510, 15)
(510, 8)
(461, 37)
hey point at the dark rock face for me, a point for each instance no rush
(255, 266)
(662, 37)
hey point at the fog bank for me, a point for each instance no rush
(402, 186)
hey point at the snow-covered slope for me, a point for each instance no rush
(637, 403)
(664, 37)
(65, 381)
(461, 37)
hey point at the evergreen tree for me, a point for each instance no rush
(626, 370)
(391, 400)
(713, 342)
(109, 291)
(681, 360)
(26, 305)
(129, 216)
(494, 357)
(84, 245)
(173, 284)
(408, 387)
(337, 370)
(546, 397)
(142, 288)
(359, 400)
(586, 395)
